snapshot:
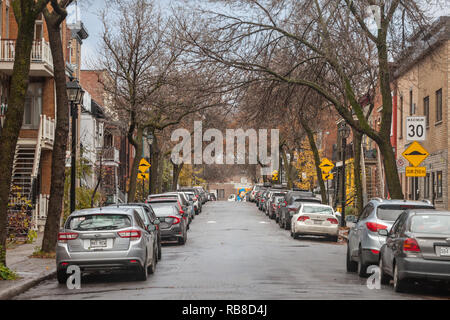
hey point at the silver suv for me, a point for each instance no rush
(106, 239)
(364, 241)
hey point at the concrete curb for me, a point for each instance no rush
(24, 285)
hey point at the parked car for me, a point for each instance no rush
(147, 215)
(173, 226)
(364, 241)
(189, 204)
(107, 238)
(275, 198)
(197, 194)
(195, 201)
(255, 189)
(170, 199)
(258, 196)
(203, 196)
(315, 219)
(417, 248)
(290, 205)
(232, 197)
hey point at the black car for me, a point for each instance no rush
(197, 193)
(148, 216)
(417, 248)
(291, 204)
(172, 224)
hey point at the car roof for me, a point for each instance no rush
(428, 212)
(313, 204)
(379, 201)
(104, 210)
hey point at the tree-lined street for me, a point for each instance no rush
(234, 252)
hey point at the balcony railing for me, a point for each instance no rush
(111, 154)
(40, 51)
(47, 129)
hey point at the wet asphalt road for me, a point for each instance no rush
(234, 251)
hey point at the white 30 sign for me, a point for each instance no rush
(416, 129)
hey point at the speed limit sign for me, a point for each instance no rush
(416, 128)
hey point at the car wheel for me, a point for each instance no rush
(143, 271)
(384, 278)
(334, 238)
(62, 276)
(362, 265)
(399, 285)
(152, 267)
(352, 266)
(182, 241)
(281, 223)
(287, 225)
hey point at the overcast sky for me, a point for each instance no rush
(89, 10)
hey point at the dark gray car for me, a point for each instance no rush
(417, 247)
(173, 226)
(291, 204)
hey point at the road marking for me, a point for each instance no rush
(211, 222)
(265, 222)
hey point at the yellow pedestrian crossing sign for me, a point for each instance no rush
(326, 165)
(143, 176)
(415, 154)
(144, 165)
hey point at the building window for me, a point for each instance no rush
(401, 117)
(439, 105)
(426, 189)
(33, 106)
(426, 110)
(439, 184)
(411, 104)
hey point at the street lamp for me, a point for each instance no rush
(344, 132)
(75, 96)
(150, 139)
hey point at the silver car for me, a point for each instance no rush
(106, 239)
(364, 240)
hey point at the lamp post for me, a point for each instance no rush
(75, 95)
(344, 131)
(150, 143)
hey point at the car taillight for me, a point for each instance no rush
(411, 245)
(132, 234)
(333, 220)
(262, 200)
(176, 220)
(65, 236)
(375, 251)
(292, 209)
(274, 206)
(181, 212)
(303, 218)
(374, 227)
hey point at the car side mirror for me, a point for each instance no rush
(383, 232)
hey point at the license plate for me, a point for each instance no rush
(317, 221)
(444, 251)
(98, 243)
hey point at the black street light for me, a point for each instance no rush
(75, 96)
(344, 132)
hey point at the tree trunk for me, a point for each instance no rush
(14, 114)
(55, 206)
(155, 166)
(138, 146)
(357, 138)
(312, 144)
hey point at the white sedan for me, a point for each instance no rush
(315, 219)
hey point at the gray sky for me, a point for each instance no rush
(89, 10)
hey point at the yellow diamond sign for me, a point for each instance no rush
(415, 154)
(144, 165)
(326, 165)
(143, 176)
(327, 176)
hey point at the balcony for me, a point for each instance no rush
(111, 157)
(47, 131)
(41, 58)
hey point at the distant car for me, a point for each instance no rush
(173, 226)
(315, 219)
(195, 201)
(188, 202)
(197, 194)
(255, 189)
(171, 199)
(212, 196)
(147, 215)
(271, 203)
(105, 239)
(417, 248)
(232, 197)
(274, 204)
(364, 241)
(290, 206)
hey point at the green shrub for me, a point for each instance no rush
(6, 273)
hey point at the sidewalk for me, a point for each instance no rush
(30, 271)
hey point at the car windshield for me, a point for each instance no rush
(99, 222)
(278, 199)
(436, 224)
(392, 211)
(164, 211)
(317, 209)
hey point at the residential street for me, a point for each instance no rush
(234, 251)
